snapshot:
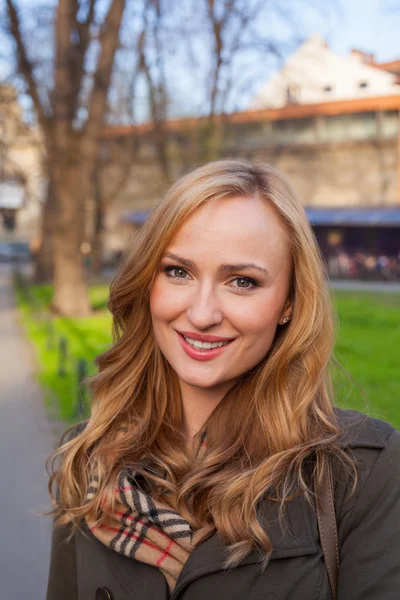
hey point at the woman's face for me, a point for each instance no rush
(221, 289)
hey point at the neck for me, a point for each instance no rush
(197, 405)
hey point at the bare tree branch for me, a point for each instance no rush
(109, 43)
(156, 89)
(217, 25)
(26, 68)
(62, 100)
(81, 40)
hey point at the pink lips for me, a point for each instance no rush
(197, 354)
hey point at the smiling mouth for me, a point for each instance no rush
(204, 345)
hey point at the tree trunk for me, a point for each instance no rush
(97, 250)
(71, 297)
(44, 263)
(70, 288)
(71, 151)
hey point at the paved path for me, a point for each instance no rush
(369, 286)
(26, 439)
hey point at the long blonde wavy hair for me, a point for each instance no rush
(275, 421)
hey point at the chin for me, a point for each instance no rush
(200, 384)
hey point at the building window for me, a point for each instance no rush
(363, 84)
(327, 88)
(293, 94)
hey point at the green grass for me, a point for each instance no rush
(368, 347)
(86, 338)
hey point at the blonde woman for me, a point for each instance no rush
(207, 461)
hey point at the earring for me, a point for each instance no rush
(285, 320)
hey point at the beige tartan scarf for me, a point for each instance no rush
(143, 528)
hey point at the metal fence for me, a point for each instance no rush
(67, 364)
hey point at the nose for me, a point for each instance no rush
(204, 309)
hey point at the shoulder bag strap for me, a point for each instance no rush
(328, 530)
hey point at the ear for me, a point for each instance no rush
(286, 313)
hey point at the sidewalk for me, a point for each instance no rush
(26, 439)
(384, 287)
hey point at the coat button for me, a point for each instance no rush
(103, 594)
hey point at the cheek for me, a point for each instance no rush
(257, 320)
(155, 298)
(158, 308)
(258, 333)
(159, 312)
(165, 301)
(259, 336)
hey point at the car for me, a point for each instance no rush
(15, 252)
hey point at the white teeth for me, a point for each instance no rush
(204, 345)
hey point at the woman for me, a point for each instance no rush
(213, 425)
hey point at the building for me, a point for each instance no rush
(315, 74)
(339, 148)
(21, 179)
(331, 124)
(356, 101)
(342, 158)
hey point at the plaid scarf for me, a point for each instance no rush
(143, 528)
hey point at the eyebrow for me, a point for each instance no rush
(225, 268)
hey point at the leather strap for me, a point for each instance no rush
(328, 530)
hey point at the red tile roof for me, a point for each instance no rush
(294, 111)
(393, 66)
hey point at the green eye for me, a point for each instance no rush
(179, 273)
(243, 282)
(175, 272)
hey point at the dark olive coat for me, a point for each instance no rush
(369, 540)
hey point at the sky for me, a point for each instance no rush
(372, 26)
(368, 25)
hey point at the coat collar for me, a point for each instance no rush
(297, 538)
(360, 431)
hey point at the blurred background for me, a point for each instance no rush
(104, 103)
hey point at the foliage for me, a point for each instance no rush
(86, 338)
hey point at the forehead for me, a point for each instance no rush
(246, 227)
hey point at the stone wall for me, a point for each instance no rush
(345, 160)
(359, 174)
(329, 162)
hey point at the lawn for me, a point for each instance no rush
(83, 339)
(368, 347)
